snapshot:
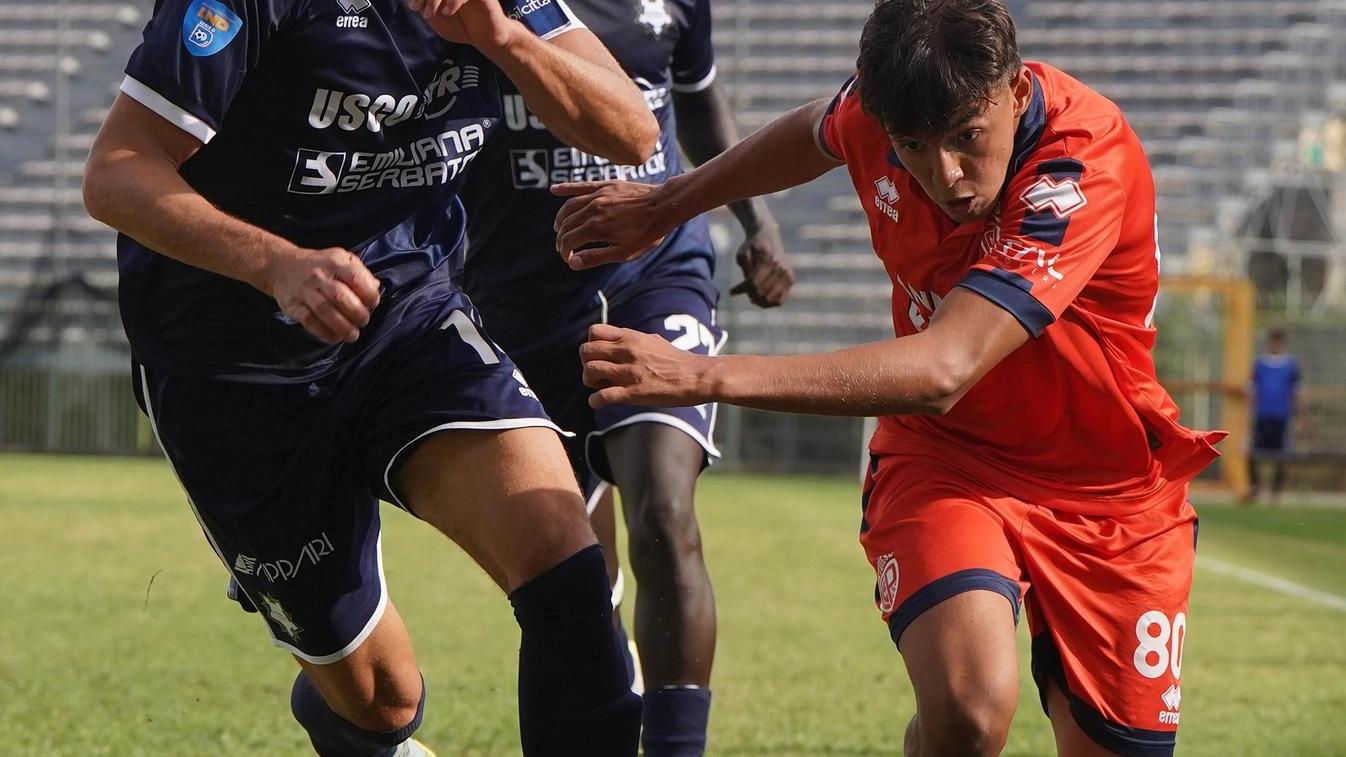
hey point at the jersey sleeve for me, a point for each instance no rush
(693, 63)
(545, 18)
(194, 56)
(844, 107)
(1060, 219)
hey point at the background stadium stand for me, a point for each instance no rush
(1237, 102)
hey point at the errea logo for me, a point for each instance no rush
(1172, 703)
(886, 189)
(353, 9)
(1060, 197)
(885, 195)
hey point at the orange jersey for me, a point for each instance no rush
(1075, 418)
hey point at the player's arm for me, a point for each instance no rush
(570, 81)
(706, 129)
(631, 217)
(132, 183)
(927, 372)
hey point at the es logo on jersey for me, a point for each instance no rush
(430, 161)
(208, 27)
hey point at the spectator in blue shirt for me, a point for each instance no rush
(1275, 397)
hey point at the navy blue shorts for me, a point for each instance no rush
(683, 315)
(285, 479)
(1271, 438)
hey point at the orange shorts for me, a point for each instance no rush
(1106, 597)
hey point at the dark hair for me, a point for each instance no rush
(926, 66)
(1276, 333)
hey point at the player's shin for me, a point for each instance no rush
(574, 695)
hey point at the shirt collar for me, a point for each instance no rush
(1031, 126)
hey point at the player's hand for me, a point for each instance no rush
(480, 23)
(605, 222)
(636, 368)
(767, 276)
(330, 292)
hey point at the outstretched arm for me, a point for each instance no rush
(926, 372)
(631, 218)
(705, 130)
(570, 81)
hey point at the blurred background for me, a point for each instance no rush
(1241, 105)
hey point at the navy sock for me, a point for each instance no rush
(334, 736)
(574, 698)
(675, 722)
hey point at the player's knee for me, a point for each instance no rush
(663, 527)
(389, 711)
(971, 725)
(969, 719)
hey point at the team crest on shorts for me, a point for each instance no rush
(886, 568)
(280, 616)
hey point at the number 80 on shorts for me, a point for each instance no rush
(1161, 643)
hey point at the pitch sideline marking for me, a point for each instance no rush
(1268, 581)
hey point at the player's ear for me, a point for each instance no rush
(1021, 86)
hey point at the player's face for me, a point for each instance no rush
(964, 170)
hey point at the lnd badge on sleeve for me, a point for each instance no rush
(208, 27)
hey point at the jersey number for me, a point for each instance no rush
(694, 333)
(471, 336)
(1161, 644)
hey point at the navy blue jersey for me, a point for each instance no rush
(328, 122)
(525, 291)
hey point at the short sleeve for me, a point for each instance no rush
(693, 63)
(545, 18)
(843, 107)
(1059, 221)
(194, 56)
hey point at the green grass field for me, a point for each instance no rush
(116, 638)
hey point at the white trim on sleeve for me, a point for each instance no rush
(173, 114)
(697, 86)
(573, 22)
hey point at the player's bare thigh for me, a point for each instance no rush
(508, 498)
(961, 658)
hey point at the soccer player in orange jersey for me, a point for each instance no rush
(1026, 455)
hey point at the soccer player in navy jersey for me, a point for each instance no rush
(284, 177)
(539, 311)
